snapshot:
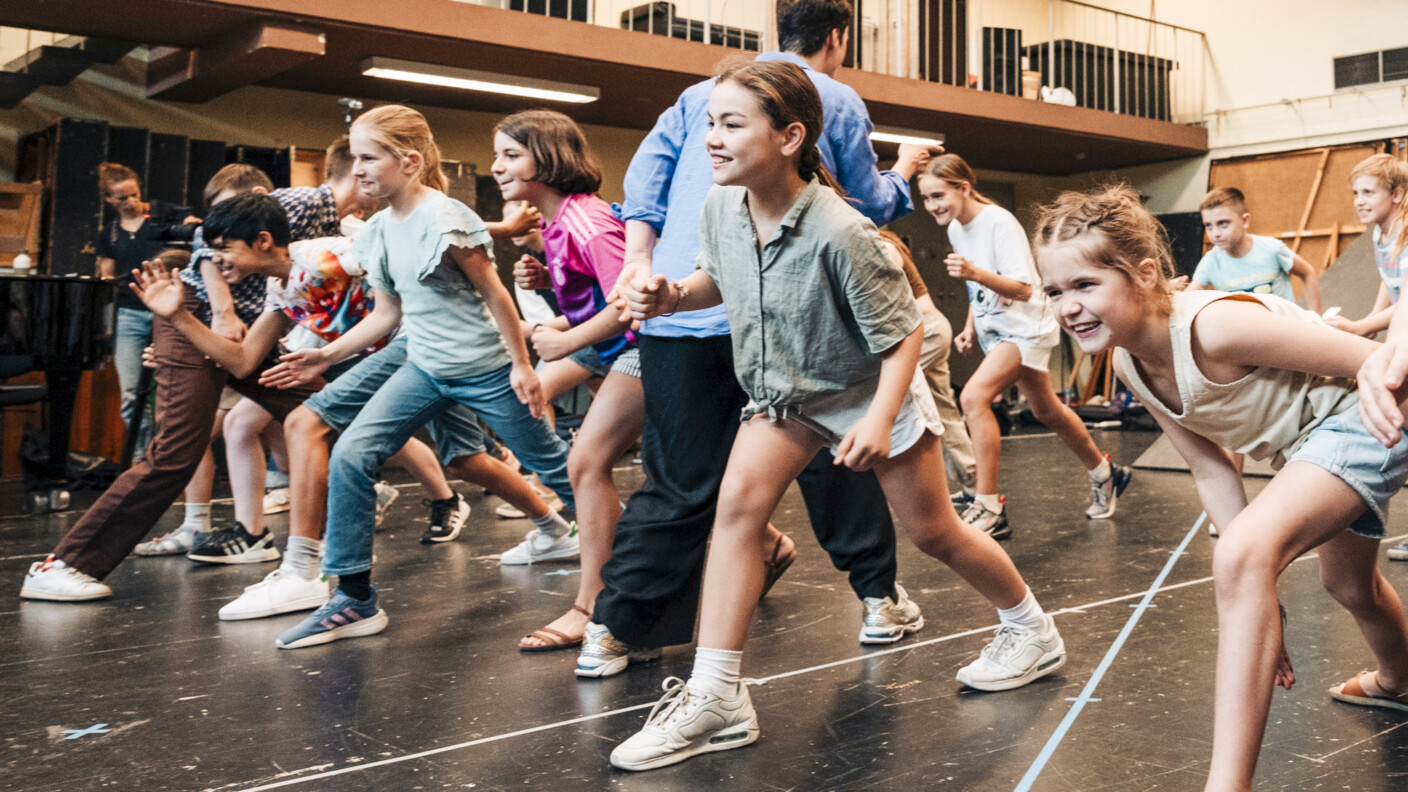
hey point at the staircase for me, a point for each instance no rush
(56, 63)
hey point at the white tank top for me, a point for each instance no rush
(1265, 414)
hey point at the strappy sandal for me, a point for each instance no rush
(776, 566)
(1358, 691)
(552, 640)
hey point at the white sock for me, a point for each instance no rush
(717, 671)
(303, 557)
(1100, 472)
(552, 524)
(1027, 613)
(992, 503)
(197, 516)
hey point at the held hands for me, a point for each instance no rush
(868, 442)
(959, 267)
(1382, 391)
(649, 297)
(155, 286)
(530, 274)
(963, 342)
(526, 386)
(550, 343)
(295, 368)
(632, 269)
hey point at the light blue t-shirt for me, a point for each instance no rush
(1264, 270)
(451, 332)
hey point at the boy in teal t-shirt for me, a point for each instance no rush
(1244, 262)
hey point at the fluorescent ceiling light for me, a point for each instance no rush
(886, 134)
(469, 80)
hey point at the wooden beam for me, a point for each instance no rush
(246, 56)
(1338, 230)
(1310, 201)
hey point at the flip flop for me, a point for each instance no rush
(552, 639)
(776, 566)
(1355, 691)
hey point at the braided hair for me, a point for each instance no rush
(787, 96)
(1111, 227)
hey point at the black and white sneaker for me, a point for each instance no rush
(233, 545)
(447, 517)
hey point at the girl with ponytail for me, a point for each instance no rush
(826, 338)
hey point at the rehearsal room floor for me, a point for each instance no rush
(150, 691)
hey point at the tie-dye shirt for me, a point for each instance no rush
(584, 245)
(325, 291)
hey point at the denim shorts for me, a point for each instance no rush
(587, 358)
(1342, 446)
(833, 415)
(456, 432)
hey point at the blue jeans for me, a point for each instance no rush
(134, 334)
(408, 400)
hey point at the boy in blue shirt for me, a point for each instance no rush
(1245, 262)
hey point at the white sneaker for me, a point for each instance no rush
(52, 579)
(887, 621)
(276, 501)
(507, 511)
(178, 542)
(603, 656)
(1015, 657)
(686, 722)
(1105, 494)
(385, 496)
(538, 547)
(279, 592)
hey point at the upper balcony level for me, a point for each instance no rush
(947, 68)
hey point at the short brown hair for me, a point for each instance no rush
(562, 158)
(174, 258)
(111, 174)
(1231, 197)
(337, 161)
(1391, 172)
(237, 176)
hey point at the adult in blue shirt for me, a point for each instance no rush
(693, 402)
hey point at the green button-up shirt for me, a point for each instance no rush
(813, 308)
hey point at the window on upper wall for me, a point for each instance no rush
(1370, 68)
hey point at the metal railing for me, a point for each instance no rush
(1104, 59)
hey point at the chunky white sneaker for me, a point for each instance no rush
(1104, 494)
(992, 523)
(603, 656)
(887, 621)
(52, 579)
(276, 501)
(538, 547)
(1015, 657)
(686, 722)
(178, 542)
(385, 496)
(279, 592)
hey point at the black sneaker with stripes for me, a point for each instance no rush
(233, 545)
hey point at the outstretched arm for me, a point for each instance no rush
(306, 365)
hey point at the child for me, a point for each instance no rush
(1379, 184)
(428, 259)
(826, 343)
(1013, 325)
(1254, 374)
(933, 361)
(1244, 262)
(542, 157)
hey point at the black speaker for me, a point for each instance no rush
(73, 207)
(1185, 238)
(273, 161)
(205, 159)
(168, 162)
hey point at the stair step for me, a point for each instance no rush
(51, 65)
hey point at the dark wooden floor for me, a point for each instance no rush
(442, 699)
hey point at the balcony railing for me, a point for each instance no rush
(1105, 59)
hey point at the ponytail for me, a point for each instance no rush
(401, 131)
(787, 96)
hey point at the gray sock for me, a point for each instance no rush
(304, 557)
(552, 524)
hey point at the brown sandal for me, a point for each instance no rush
(1370, 694)
(552, 639)
(776, 566)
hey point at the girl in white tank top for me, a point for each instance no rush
(1256, 375)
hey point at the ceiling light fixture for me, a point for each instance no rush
(470, 80)
(888, 134)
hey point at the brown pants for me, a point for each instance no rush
(959, 458)
(188, 389)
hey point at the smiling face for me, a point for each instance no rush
(942, 200)
(1225, 228)
(125, 197)
(744, 147)
(514, 169)
(1373, 202)
(378, 171)
(1101, 307)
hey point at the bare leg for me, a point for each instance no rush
(995, 374)
(1349, 568)
(1302, 507)
(612, 425)
(499, 479)
(308, 442)
(766, 457)
(915, 485)
(274, 441)
(417, 458)
(244, 456)
(1036, 386)
(559, 377)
